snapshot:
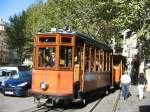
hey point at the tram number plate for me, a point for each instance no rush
(8, 92)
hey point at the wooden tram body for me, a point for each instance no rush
(82, 65)
(119, 66)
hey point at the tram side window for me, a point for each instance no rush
(78, 57)
(97, 60)
(101, 60)
(104, 60)
(108, 62)
(65, 56)
(92, 59)
(46, 57)
(86, 58)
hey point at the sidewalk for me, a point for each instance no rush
(107, 103)
(132, 104)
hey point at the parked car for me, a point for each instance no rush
(18, 84)
(6, 73)
(9, 68)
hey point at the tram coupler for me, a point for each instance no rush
(50, 102)
(37, 101)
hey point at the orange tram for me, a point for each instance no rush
(119, 66)
(69, 67)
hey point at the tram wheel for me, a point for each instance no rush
(66, 103)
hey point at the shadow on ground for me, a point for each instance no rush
(145, 108)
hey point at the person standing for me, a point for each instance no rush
(125, 81)
(52, 59)
(141, 85)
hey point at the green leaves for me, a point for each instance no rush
(15, 33)
(102, 18)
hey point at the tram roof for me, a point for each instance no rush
(88, 38)
(91, 39)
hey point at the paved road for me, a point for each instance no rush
(15, 104)
(26, 104)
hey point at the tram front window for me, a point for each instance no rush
(65, 56)
(46, 57)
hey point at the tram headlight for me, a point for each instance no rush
(44, 85)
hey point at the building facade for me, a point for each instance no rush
(4, 52)
(131, 51)
(7, 56)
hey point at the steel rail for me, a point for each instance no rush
(116, 102)
(95, 105)
(43, 109)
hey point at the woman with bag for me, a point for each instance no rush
(141, 85)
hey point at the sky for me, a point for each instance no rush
(11, 7)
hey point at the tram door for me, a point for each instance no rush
(77, 67)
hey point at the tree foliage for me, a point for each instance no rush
(102, 18)
(16, 38)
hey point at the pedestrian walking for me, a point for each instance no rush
(141, 85)
(125, 82)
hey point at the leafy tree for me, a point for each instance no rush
(82, 15)
(15, 34)
(102, 18)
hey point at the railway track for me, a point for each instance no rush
(114, 106)
(116, 102)
(93, 107)
(89, 108)
(44, 109)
